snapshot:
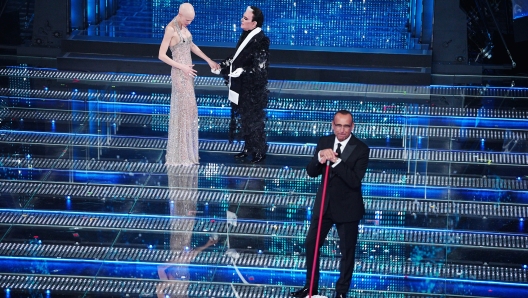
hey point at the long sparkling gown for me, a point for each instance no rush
(182, 144)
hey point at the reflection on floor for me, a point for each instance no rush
(88, 208)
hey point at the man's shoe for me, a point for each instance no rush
(340, 295)
(258, 157)
(302, 293)
(242, 154)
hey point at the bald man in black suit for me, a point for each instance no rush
(343, 206)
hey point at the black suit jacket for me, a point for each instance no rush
(254, 60)
(344, 200)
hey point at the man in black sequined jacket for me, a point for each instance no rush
(246, 74)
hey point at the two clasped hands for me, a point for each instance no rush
(234, 74)
(328, 155)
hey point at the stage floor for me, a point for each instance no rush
(89, 209)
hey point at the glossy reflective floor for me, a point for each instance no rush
(88, 208)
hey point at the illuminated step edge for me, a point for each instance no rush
(158, 79)
(147, 287)
(277, 199)
(283, 173)
(252, 260)
(157, 193)
(276, 127)
(142, 287)
(320, 105)
(295, 231)
(219, 101)
(65, 139)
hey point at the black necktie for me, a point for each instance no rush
(338, 151)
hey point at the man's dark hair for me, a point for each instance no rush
(258, 16)
(344, 112)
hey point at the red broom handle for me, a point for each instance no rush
(325, 182)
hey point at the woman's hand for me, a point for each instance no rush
(214, 65)
(189, 70)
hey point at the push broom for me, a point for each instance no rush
(325, 183)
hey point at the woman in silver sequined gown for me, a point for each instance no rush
(182, 143)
